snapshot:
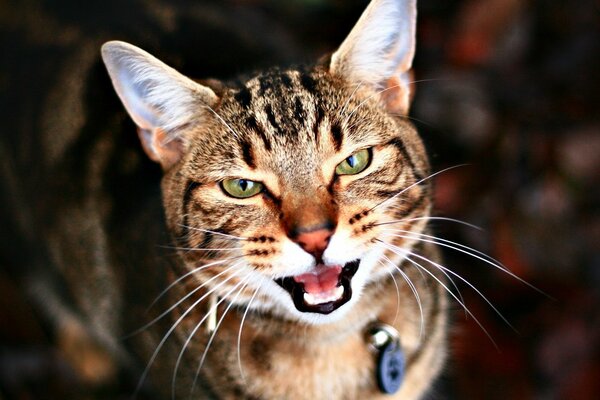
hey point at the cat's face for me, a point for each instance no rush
(278, 191)
(318, 161)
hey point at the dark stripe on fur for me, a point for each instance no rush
(318, 120)
(337, 136)
(252, 124)
(402, 149)
(299, 112)
(247, 153)
(286, 80)
(190, 187)
(243, 97)
(264, 82)
(271, 118)
(308, 83)
(416, 204)
(206, 241)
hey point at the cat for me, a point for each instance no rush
(295, 203)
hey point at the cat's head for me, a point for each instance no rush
(279, 190)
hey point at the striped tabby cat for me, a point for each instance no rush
(294, 202)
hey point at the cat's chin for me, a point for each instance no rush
(321, 293)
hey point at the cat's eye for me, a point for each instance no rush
(241, 188)
(354, 164)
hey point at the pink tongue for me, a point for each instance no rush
(324, 280)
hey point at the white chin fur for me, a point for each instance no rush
(338, 252)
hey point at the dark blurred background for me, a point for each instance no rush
(509, 87)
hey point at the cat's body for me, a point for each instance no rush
(295, 134)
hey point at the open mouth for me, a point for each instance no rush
(323, 290)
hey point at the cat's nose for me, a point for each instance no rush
(314, 241)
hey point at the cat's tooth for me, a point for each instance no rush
(339, 292)
(320, 298)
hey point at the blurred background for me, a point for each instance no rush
(511, 88)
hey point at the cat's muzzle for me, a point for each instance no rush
(321, 302)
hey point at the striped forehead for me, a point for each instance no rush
(283, 102)
(278, 115)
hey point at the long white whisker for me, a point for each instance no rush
(397, 292)
(213, 232)
(458, 221)
(415, 184)
(413, 288)
(407, 256)
(406, 116)
(187, 274)
(235, 134)
(164, 313)
(166, 336)
(214, 333)
(343, 109)
(239, 339)
(441, 267)
(469, 251)
(447, 276)
(386, 89)
(369, 98)
(192, 249)
(192, 334)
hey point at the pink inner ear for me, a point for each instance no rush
(398, 94)
(160, 148)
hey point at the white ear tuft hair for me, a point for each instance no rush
(155, 95)
(380, 48)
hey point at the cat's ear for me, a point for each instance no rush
(159, 99)
(379, 51)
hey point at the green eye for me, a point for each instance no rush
(241, 188)
(354, 164)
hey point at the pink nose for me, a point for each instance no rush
(314, 242)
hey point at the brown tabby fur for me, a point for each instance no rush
(331, 361)
(103, 259)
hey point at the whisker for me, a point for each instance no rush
(191, 249)
(166, 336)
(458, 221)
(470, 252)
(181, 301)
(239, 340)
(416, 183)
(343, 109)
(369, 98)
(397, 292)
(404, 116)
(413, 288)
(212, 232)
(386, 89)
(235, 134)
(447, 276)
(407, 256)
(441, 267)
(192, 334)
(214, 333)
(430, 80)
(187, 274)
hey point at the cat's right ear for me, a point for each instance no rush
(378, 52)
(159, 99)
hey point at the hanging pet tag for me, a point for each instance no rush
(390, 360)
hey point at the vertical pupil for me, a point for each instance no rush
(351, 161)
(243, 184)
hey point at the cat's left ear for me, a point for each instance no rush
(379, 51)
(160, 100)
